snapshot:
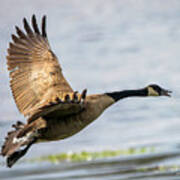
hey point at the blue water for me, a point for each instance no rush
(105, 46)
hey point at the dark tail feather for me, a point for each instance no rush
(11, 149)
(18, 154)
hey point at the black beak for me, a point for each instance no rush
(165, 92)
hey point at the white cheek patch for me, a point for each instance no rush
(152, 92)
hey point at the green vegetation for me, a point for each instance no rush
(88, 156)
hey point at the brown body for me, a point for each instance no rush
(56, 128)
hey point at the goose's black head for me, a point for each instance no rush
(155, 90)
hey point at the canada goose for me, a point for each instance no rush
(42, 94)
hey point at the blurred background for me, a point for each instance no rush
(105, 46)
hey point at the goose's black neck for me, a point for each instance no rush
(128, 93)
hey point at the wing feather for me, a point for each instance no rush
(35, 26)
(36, 76)
(28, 28)
(71, 104)
(44, 34)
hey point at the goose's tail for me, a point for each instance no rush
(21, 136)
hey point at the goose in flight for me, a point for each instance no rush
(53, 109)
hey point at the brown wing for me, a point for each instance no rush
(72, 103)
(36, 76)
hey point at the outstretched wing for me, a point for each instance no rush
(36, 76)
